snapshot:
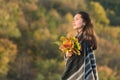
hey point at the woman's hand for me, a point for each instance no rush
(69, 54)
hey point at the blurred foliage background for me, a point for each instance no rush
(28, 29)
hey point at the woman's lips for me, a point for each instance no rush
(74, 24)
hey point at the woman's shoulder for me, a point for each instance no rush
(87, 46)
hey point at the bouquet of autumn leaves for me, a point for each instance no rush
(69, 44)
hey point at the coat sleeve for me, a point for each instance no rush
(93, 65)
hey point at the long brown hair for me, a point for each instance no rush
(88, 30)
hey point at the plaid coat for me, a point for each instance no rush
(81, 67)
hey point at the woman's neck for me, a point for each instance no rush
(79, 31)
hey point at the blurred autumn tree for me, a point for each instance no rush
(99, 14)
(28, 29)
(112, 9)
(8, 52)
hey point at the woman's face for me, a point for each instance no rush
(78, 22)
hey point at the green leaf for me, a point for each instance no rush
(57, 43)
(62, 38)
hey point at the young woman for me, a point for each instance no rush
(82, 67)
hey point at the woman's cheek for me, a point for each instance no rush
(79, 24)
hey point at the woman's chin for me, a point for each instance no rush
(75, 28)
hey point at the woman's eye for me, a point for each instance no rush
(77, 18)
